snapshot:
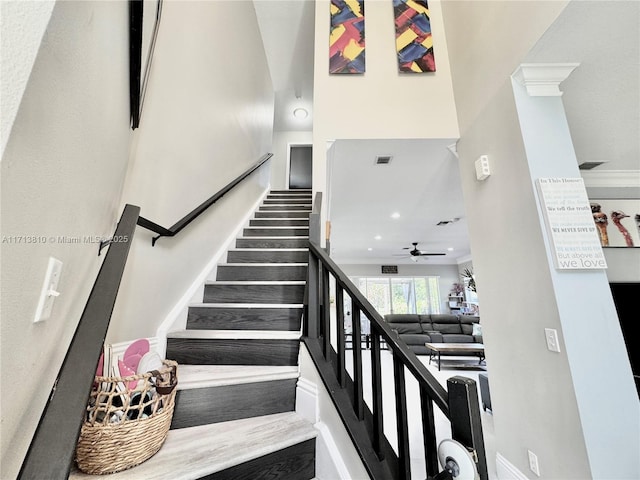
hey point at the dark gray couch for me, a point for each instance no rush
(416, 330)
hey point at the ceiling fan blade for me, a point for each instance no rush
(423, 254)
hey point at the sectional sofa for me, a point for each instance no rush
(416, 330)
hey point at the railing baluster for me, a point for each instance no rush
(404, 462)
(429, 433)
(311, 327)
(358, 401)
(376, 382)
(342, 378)
(466, 425)
(326, 314)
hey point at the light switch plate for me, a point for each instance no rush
(552, 339)
(49, 290)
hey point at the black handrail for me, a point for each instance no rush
(459, 402)
(53, 445)
(196, 212)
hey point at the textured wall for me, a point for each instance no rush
(62, 174)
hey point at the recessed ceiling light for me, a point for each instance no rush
(300, 113)
(450, 249)
(378, 237)
(395, 215)
(370, 249)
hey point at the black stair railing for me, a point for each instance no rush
(459, 402)
(52, 449)
(200, 209)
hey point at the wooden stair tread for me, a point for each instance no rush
(248, 305)
(203, 376)
(237, 334)
(191, 453)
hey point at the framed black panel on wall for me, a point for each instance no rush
(144, 22)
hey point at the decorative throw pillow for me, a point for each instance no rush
(477, 329)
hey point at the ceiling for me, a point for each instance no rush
(604, 37)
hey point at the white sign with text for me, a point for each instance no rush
(569, 222)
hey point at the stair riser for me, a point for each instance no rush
(283, 214)
(293, 191)
(226, 318)
(200, 406)
(267, 256)
(268, 222)
(251, 272)
(199, 351)
(287, 201)
(257, 242)
(273, 196)
(253, 293)
(276, 232)
(272, 208)
(293, 463)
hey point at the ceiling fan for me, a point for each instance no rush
(417, 253)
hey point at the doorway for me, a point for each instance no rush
(300, 166)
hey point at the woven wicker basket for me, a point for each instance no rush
(127, 420)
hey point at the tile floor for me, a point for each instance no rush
(443, 428)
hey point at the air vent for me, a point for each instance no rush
(383, 159)
(389, 269)
(589, 165)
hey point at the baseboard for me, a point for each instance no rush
(505, 470)
(329, 463)
(176, 319)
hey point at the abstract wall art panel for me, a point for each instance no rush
(413, 36)
(346, 41)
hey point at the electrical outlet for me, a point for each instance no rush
(552, 339)
(533, 462)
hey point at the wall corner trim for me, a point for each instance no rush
(506, 470)
(543, 79)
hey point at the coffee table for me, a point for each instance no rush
(461, 349)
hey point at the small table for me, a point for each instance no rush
(462, 349)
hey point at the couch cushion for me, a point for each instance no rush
(427, 327)
(447, 327)
(467, 329)
(452, 338)
(444, 318)
(411, 339)
(470, 319)
(404, 323)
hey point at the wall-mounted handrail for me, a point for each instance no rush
(196, 212)
(52, 448)
(459, 402)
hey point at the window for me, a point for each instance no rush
(401, 294)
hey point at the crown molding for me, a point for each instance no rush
(611, 178)
(543, 79)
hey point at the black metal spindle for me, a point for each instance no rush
(404, 462)
(466, 425)
(358, 400)
(326, 314)
(376, 382)
(311, 325)
(429, 432)
(341, 373)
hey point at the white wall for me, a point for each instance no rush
(543, 401)
(62, 173)
(382, 103)
(208, 116)
(279, 163)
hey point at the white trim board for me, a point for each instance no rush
(505, 470)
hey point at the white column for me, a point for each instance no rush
(591, 337)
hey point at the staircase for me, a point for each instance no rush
(238, 361)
